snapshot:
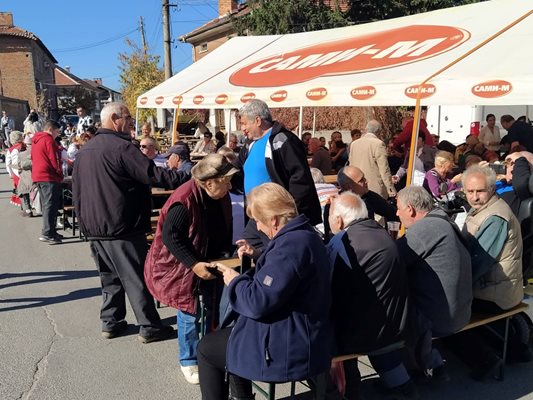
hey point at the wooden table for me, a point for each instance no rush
(330, 179)
(156, 192)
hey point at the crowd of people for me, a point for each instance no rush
(319, 274)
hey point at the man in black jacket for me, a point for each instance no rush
(369, 303)
(274, 154)
(111, 188)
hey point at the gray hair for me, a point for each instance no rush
(416, 197)
(256, 108)
(488, 173)
(317, 175)
(373, 126)
(16, 137)
(109, 109)
(349, 207)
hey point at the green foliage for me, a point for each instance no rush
(269, 17)
(72, 98)
(139, 73)
(361, 11)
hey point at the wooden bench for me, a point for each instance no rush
(72, 211)
(476, 320)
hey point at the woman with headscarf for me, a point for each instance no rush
(16, 138)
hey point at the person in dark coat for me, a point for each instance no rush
(369, 304)
(282, 332)
(194, 226)
(111, 194)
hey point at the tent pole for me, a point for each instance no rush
(136, 122)
(300, 122)
(175, 126)
(229, 128)
(414, 140)
(314, 120)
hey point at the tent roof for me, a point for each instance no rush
(379, 63)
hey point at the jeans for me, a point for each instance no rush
(50, 194)
(188, 338)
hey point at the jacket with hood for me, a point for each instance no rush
(46, 166)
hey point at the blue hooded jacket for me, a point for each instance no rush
(283, 332)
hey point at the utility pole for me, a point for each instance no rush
(166, 40)
(143, 39)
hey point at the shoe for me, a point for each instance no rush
(431, 376)
(26, 214)
(59, 225)
(58, 235)
(164, 333)
(491, 368)
(407, 391)
(119, 328)
(51, 240)
(191, 374)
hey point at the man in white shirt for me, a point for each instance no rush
(85, 120)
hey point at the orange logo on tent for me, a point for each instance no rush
(159, 100)
(317, 93)
(363, 92)
(375, 51)
(426, 90)
(143, 100)
(279, 96)
(247, 97)
(177, 100)
(221, 98)
(490, 89)
(199, 99)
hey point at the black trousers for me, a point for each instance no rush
(120, 263)
(212, 369)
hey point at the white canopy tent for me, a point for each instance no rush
(379, 63)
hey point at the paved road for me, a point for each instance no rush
(50, 343)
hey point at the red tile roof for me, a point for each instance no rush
(15, 31)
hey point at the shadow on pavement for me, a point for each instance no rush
(45, 301)
(49, 276)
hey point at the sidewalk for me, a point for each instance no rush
(51, 347)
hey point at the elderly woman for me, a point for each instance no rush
(282, 332)
(194, 226)
(435, 177)
(16, 138)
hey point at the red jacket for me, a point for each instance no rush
(46, 166)
(169, 281)
(407, 132)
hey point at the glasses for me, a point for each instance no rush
(146, 146)
(509, 162)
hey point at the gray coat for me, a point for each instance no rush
(439, 272)
(24, 167)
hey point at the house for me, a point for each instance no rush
(73, 91)
(26, 68)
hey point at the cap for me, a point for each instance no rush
(213, 166)
(181, 150)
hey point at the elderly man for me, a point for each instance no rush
(496, 247)
(370, 155)
(179, 158)
(47, 174)
(369, 308)
(234, 143)
(497, 242)
(7, 124)
(111, 188)
(149, 149)
(320, 157)
(439, 275)
(276, 155)
(353, 179)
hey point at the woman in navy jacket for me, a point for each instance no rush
(283, 331)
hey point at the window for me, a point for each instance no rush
(203, 48)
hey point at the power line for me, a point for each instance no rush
(95, 44)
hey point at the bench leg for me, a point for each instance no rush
(504, 352)
(271, 391)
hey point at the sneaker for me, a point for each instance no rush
(407, 391)
(430, 376)
(51, 240)
(164, 333)
(26, 213)
(59, 225)
(191, 374)
(119, 328)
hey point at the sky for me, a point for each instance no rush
(89, 35)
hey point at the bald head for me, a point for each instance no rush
(313, 145)
(345, 209)
(353, 179)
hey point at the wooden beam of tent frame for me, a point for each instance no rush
(416, 116)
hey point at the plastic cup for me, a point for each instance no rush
(393, 227)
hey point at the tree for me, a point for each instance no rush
(274, 17)
(361, 11)
(72, 98)
(139, 72)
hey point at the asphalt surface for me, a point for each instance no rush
(51, 347)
